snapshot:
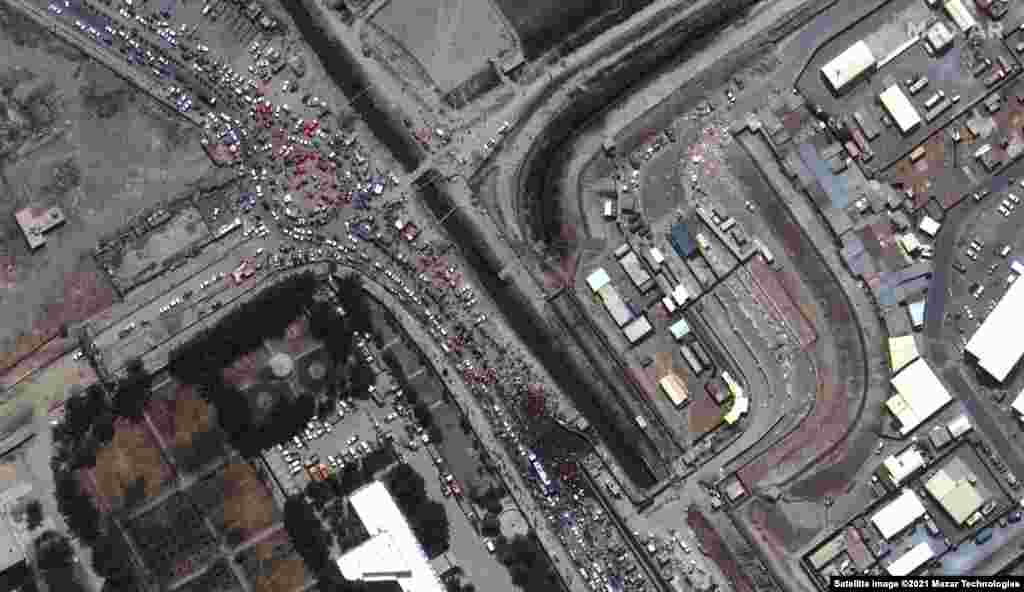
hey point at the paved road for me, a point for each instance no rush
(470, 407)
(940, 339)
(107, 56)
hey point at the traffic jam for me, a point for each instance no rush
(318, 187)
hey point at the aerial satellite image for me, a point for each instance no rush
(511, 295)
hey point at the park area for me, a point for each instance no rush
(273, 565)
(236, 501)
(129, 470)
(80, 138)
(186, 425)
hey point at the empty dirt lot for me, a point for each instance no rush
(82, 139)
(451, 39)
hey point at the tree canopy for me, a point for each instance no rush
(426, 517)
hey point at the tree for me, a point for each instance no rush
(110, 559)
(426, 517)
(320, 492)
(34, 514)
(307, 533)
(53, 551)
(133, 391)
(431, 527)
(490, 526)
(526, 563)
(82, 517)
(103, 429)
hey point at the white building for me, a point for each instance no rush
(996, 343)
(392, 553)
(917, 556)
(637, 329)
(929, 226)
(899, 107)
(849, 66)
(919, 395)
(900, 466)
(960, 15)
(598, 279)
(899, 514)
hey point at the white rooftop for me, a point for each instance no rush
(1018, 403)
(996, 344)
(911, 560)
(959, 426)
(848, 66)
(929, 226)
(598, 279)
(902, 351)
(680, 294)
(898, 514)
(392, 553)
(919, 395)
(899, 107)
(904, 464)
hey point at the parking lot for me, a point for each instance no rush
(985, 255)
(957, 72)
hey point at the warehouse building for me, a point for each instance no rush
(919, 395)
(898, 467)
(960, 15)
(681, 295)
(392, 553)
(902, 351)
(849, 67)
(899, 514)
(674, 388)
(995, 345)
(907, 563)
(1018, 405)
(953, 488)
(899, 107)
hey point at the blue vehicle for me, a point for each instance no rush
(983, 536)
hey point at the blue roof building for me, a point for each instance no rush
(681, 240)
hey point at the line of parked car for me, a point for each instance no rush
(298, 460)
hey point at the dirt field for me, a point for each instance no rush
(130, 469)
(81, 139)
(542, 25)
(713, 546)
(451, 39)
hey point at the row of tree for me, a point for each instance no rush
(527, 563)
(426, 517)
(244, 329)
